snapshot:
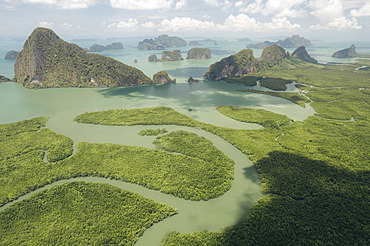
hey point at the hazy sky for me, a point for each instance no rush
(333, 19)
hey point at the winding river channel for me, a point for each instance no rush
(62, 105)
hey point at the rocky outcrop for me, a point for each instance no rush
(99, 48)
(301, 54)
(152, 58)
(48, 61)
(346, 53)
(162, 77)
(292, 42)
(4, 79)
(11, 55)
(161, 42)
(244, 62)
(171, 55)
(199, 53)
(192, 80)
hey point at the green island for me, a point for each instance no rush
(152, 132)
(253, 115)
(315, 172)
(80, 213)
(48, 61)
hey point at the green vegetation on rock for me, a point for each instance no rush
(199, 53)
(241, 63)
(162, 77)
(244, 62)
(48, 61)
(152, 132)
(301, 54)
(80, 213)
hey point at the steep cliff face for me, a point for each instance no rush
(199, 53)
(48, 61)
(301, 54)
(241, 63)
(346, 53)
(171, 55)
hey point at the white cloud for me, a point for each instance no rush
(214, 3)
(243, 22)
(130, 24)
(206, 17)
(226, 5)
(181, 4)
(61, 4)
(279, 8)
(331, 12)
(327, 9)
(338, 24)
(185, 23)
(46, 24)
(148, 24)
(238, 4)
(141, 4)
(363, 11)
(68, 26)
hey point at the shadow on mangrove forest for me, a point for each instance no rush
(310, 203)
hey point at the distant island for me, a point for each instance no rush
(99, 48)
(243, 40)
(167, 56)
(161, 42)
(349, 53)
(199, 53)
(293, 42)
(244, 62)
(194, 43)
(48, 61)
(11, 55)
